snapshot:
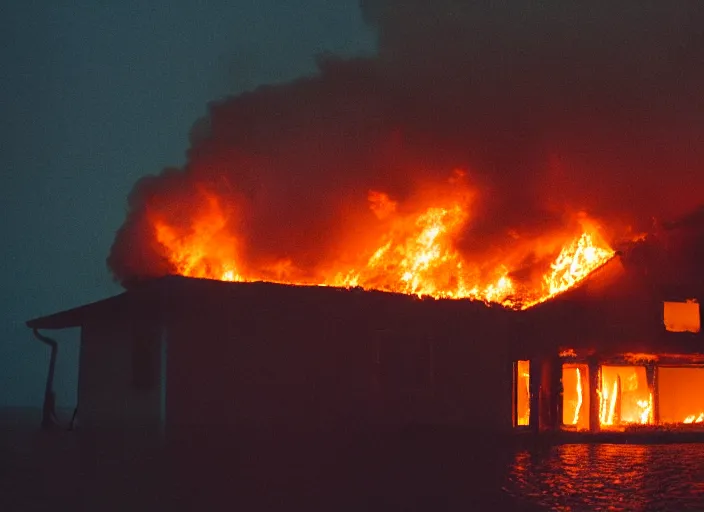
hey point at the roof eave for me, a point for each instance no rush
(74, 317)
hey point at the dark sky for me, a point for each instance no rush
(95, 95)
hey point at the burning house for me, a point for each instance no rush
(620, 350)
(457, 229)
(404, 330)
(185, 352)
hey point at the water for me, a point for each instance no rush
(610, 477)
(409, 470)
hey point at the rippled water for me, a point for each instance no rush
(610, 477)
(410, 470)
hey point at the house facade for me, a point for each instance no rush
(622, 351)
(182, 352)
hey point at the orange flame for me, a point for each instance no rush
(417, 255)
(624, 396)
(576, 261)
(205, 248)
(694, 418)
(646, 410)
(418, 261)
(523, 393)
(575, 420)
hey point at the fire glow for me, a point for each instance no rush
(415, 252)
(625, 398)
(575, 379)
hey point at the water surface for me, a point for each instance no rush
(403, 470)
(609, 477)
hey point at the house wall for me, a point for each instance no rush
(119, 376)
(308, 361)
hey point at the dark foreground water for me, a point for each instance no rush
(409, 470)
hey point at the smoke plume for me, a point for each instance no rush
(550, 108)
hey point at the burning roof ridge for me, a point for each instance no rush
(579, 286)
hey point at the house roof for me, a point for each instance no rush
(647, 269)
(188, 294)
(75, 317)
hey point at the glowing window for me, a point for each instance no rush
(575, 396)
(682, 316)
(681, 394)
(624, 396)
(522, 393)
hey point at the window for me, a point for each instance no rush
(682, 316)
(624, 396)
(681, 394)
(575, 396)
(521, 378)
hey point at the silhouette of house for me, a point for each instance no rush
(622, 350)
(187, 352)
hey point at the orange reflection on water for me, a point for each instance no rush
(609, 477)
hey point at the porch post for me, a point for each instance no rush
(651, 372)
(594, 403)
(535, 385)
(555, 392)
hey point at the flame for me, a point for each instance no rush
(694, 418)
(417, 254)
(204, 248)
(624, 396)
(612, 405)
(647, 410)
(523, 393)
(575, 400)
(419, 260)
(575, 262)
(575, 420)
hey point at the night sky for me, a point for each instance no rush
(95, 95)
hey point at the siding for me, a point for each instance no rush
(119, 376)
(337, 362)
